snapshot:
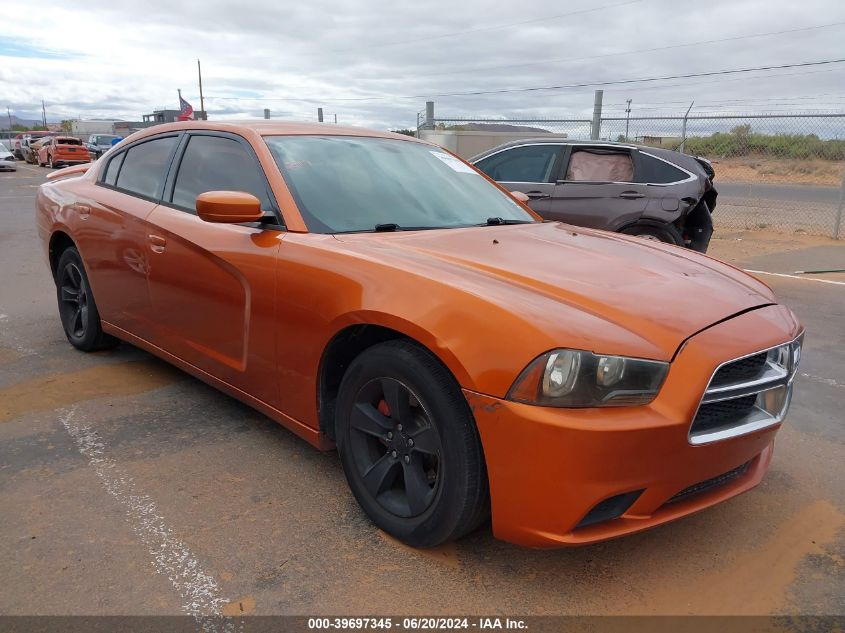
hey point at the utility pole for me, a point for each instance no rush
(9, 112)
(595, 128)
(202, 102)
(44, 114)
(627, 119)
(335, 119)
(319, 115)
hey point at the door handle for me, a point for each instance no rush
(157, 243)
(631, 195)
(537, 195)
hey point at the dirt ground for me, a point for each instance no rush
(128, 487)
(780, 171)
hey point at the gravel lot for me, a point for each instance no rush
(128, 487)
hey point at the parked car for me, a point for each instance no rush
(645, 191)
(31, 147)
(372, 292)
(99, 144)
(17, 141)
(63, 150)
(7, 160)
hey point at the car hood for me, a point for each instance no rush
(661, 294)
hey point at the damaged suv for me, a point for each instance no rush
(654, 193)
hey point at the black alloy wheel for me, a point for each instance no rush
(73, 300)
(77, 308)
(396, 449)
(409, 446)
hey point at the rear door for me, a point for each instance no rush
(113, 230)
(212, 285)
(530, 168)
(596, 188)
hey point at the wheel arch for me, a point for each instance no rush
(60, 241)
(352, 340)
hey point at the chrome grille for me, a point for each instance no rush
(747, 394)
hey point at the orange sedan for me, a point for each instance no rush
(60, 151)
(374, 293)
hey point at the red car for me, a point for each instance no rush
(62, 151)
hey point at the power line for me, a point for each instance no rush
(550, 88)
(629, 52)
(485, 29)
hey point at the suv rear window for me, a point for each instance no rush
(658, 172)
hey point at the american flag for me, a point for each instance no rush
(186, 112)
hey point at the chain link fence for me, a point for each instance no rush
(784, 171)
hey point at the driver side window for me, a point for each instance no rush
(216, 163)
(527, 163)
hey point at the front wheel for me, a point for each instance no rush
(50, 162)
(409, 445)
(77, 308)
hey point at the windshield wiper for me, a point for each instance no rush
(390, 226)
(501, 221)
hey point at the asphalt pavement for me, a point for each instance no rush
(128, 487)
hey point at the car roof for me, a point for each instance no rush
(275, 128)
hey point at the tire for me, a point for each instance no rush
(409, 446)
(77, 308)
(667, 233)
(50, 161)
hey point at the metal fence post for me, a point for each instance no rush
(837, 224)
(595, 128)
(684, 130)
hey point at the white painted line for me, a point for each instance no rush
(830, 382)
(170, 556)
(821, 281)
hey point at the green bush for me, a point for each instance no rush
(741, 141)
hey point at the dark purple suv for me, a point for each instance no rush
(651, 192)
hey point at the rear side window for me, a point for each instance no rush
(110, 177)
(653, 170)
(214, 163)
(145, 167)
(528, 163)
(600, 165)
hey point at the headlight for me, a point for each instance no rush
(576, 378)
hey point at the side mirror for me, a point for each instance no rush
(228, 207)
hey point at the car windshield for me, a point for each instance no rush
(351, 184)
(103, 140)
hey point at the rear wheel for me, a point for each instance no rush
(409, 446)
(666, 233)
(77, 308)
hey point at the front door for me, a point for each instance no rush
(529, 168)
(212, 286)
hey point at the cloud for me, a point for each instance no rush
(105, 58)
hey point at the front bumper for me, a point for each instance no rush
(548, 468)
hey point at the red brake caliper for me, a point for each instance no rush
(383, 408)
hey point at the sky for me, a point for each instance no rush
(374, 63)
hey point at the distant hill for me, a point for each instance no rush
(495, 127)
(4, 121)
